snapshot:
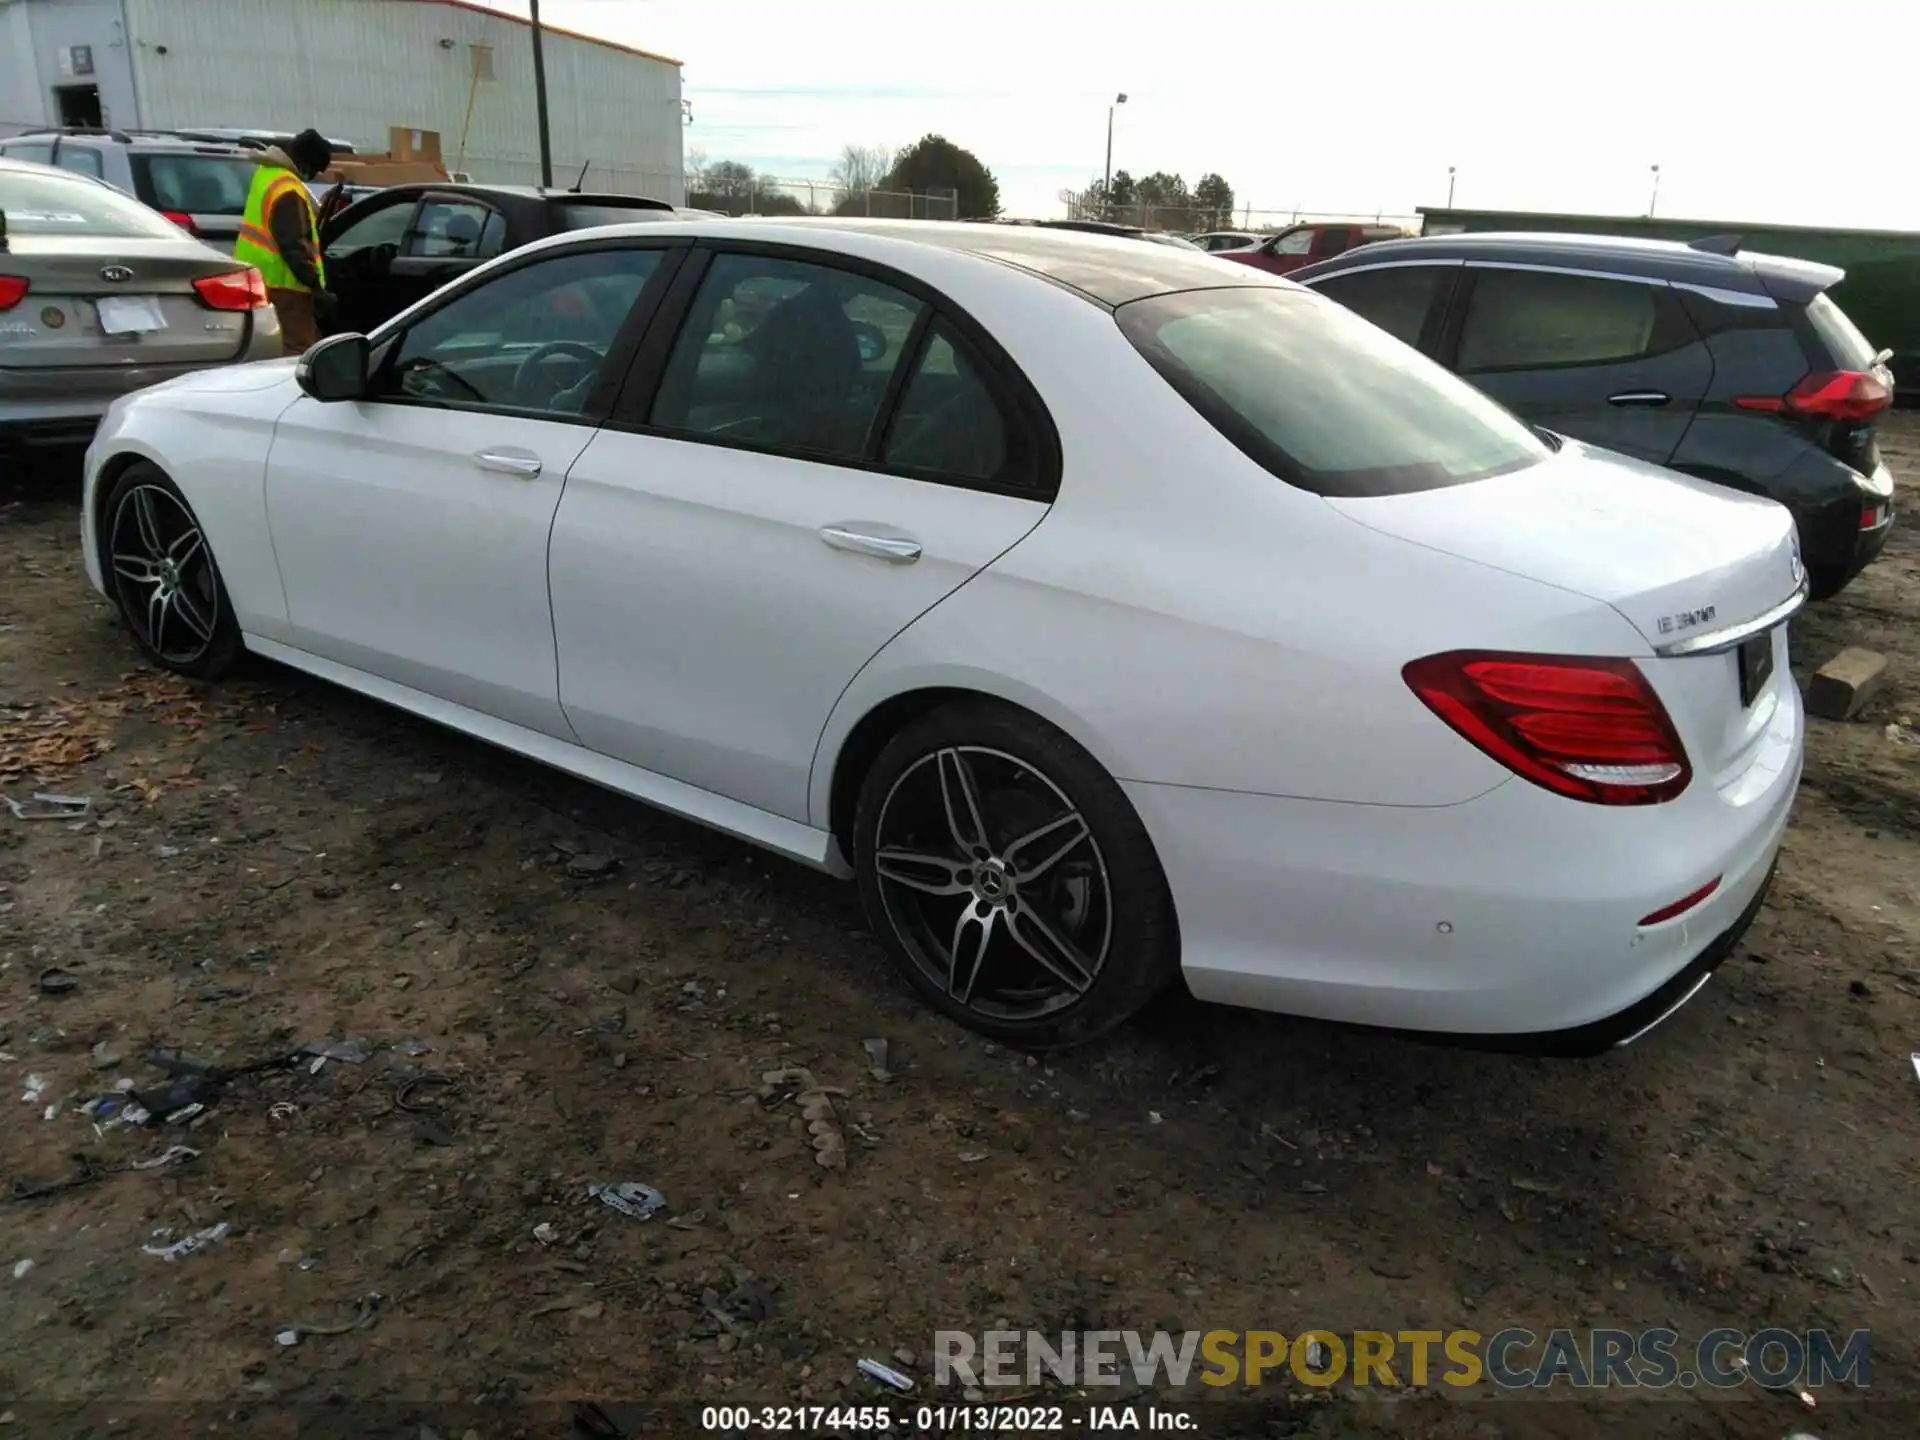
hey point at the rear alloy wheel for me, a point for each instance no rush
(1012, 880)
(164, 579)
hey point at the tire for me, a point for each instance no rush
(161, 574)
(1065, 928)
(1826, 581)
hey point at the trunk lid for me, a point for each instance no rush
(1678, 558)
(59, 322)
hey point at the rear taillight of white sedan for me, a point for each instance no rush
(1591, 729)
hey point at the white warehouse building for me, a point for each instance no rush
(351, 69)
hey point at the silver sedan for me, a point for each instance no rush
(100, 295)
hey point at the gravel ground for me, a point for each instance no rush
(563, 988)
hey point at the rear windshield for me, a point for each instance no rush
(1839, 336)
(1321, 397)
(585, 217)
(55, 204)
(194, 184)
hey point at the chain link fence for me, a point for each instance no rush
(1198, 220)
(763, 195)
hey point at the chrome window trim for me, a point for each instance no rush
(1729, 297)
(1712, 292)
(1568, 270)
(1381, 265)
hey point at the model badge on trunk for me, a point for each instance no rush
(1686, 619)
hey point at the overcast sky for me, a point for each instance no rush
(1752, 110)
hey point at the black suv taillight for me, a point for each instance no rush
(1853, 396)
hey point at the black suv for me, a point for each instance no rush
(1733, 367)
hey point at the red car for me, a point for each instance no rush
(1299, 245)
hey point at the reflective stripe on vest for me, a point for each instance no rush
(256, 245)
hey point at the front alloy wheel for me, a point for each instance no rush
(164, 579)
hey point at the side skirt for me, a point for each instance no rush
(775, 832)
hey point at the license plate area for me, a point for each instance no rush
(1755, 661)
(130, 315)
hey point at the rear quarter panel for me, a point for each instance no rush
(1192, 620)
(211, 434)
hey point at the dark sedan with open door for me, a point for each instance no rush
(400, 244)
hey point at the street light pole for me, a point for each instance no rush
(540, 96)
(1654, 199)
(1106, 187)
(1449, 187)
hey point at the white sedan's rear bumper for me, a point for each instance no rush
(1510, 916)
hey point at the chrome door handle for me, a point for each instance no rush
(1648, 398)
(900, 549)
(509, 462)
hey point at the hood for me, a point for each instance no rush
(227, 379)
(1679, 558)
(274, 155)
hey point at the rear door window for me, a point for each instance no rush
(1537, 320)
(948, 423)
(1320, 397)
(787, 356)
(1397, 298)
(80, 159)
(1334, 239)
(193, 184)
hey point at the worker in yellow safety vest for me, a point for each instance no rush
(280, 237)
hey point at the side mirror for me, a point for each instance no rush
(335, 369)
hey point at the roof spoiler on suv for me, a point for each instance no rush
(1782, 276)
(1793, 280)
(1717, 244)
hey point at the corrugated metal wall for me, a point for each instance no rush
(354, 67)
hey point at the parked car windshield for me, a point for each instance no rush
(194, 184)
(1321, 397)
(50, 203)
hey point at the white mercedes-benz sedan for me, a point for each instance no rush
(1113, 613)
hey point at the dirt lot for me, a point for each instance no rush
(273, 862)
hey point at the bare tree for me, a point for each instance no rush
(861, 168)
